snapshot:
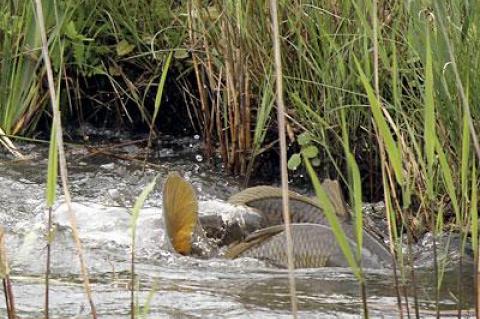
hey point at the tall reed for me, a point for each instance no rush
(57, 129)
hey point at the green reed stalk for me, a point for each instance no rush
(158, 99)
(19, 82)
(474, 230)
(52, 173)
(133, 227)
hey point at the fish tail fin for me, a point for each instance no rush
(180, 212)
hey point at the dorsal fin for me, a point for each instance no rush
(252, 240)
(265, 192)
(180, 212)
(332, 187)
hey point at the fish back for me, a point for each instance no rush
(268, 201)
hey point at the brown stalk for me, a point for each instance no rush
(283, 153)
(241, 128)
(218, 113)
(61, 155)
(200, 85)
(7, 284)
(209, 73)
(477, 286)
(232, 95)
(383, 160)
(248, 137)
(47, 271)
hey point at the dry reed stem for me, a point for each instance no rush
(230, 112)
(200, 86)
(383, 157)
(248, 136)
(47, 271)
(218, 114)
(7, 143)
(477, 286)
(61, 155)
(232, 96)
(283, 153)
(7, 285)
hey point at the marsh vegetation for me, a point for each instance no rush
(379, 95)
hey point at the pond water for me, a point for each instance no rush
(170, 286)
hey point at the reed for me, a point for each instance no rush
(283, 153)
(5, 275)
(57, 129)
(133, 228)
(19, 64)
(229, 57)
(379, 94)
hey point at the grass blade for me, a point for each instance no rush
(448, 178)
(394, 154)
(357, 202)
(329, 211)
(133, 227)
(429, 118)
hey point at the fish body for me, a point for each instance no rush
(314, 242)
(314, 246)
(268, 201)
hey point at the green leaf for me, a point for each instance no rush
(139, 204)
(429, 119)
(163, 78)
(310, 151)
(52, 170)
(357, 201)
(465, 156)
(72, 33)
(304, 139)
(124, 48)
(294, 161)
(393, 152)
(332, 218)
(474, 212)
(79, 53)
(448, 178)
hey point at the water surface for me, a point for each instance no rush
(170, 286)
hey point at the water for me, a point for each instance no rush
(170, 286)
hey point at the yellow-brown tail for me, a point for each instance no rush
(180, 212)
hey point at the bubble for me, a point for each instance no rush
(196, 137)
(199, 157)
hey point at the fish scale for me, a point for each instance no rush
(300, 212)
(314, 246)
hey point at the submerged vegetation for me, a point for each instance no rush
(381, 95)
